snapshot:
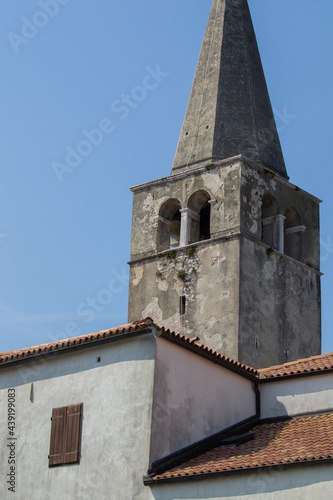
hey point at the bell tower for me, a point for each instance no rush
(226, 248)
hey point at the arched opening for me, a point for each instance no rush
(199, 216)
(292, 234)
(269, 210)
(169, 225)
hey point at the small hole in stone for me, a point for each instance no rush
(186, 133)
(222, 126)
(207, 127)
(98, 359)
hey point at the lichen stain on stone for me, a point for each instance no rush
(162, 285)
(254, 227)
(146, 205)
(228, 319)
(213, 182)
(215, 261)
(153, 311)
(211, 321)
(188, 188)
(201, 303)
(138, 275)
(216, 340)
(270, 269)
(273, 185)
(173, 323)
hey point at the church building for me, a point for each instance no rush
(215, 387)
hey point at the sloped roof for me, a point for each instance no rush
(320, 363)
(202, 350)
(271, 444)
(60, 345)
(126, 331)
(313, 365)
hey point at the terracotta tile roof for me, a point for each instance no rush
(320, 363)
(26, 352)
(123, 330)
(287, 442)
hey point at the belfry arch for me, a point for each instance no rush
(196, 218)
(292, 234)
(169, 225)
(272, 223)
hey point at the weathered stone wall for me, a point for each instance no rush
(210, 285)
(258, 182)
(243, 298)
(279, 308)
(222, 185)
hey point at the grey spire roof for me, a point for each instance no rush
(229, 110)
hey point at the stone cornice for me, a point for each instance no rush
(226, 237)
(228, 162)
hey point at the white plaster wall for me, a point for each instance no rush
(303, 483)
(297, 396)
(193, 399)
(116, 395)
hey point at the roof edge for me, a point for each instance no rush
(196, 449)
(148, 480)
(12, 358)
(267, 374)
(207, 353)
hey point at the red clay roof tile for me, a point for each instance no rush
(185, 342)
(314, 364)
(307, 439)
(320, 363)
(82, 339)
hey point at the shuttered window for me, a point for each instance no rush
(65, 435)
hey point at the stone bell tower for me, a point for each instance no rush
(226, 248)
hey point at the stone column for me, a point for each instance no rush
(279, 233)
(185, 227)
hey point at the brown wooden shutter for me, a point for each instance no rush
(56, 456)
(72, 434)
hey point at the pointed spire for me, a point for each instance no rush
(229, 110)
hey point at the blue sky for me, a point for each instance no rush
(65, 233)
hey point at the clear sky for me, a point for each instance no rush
(65, 219)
